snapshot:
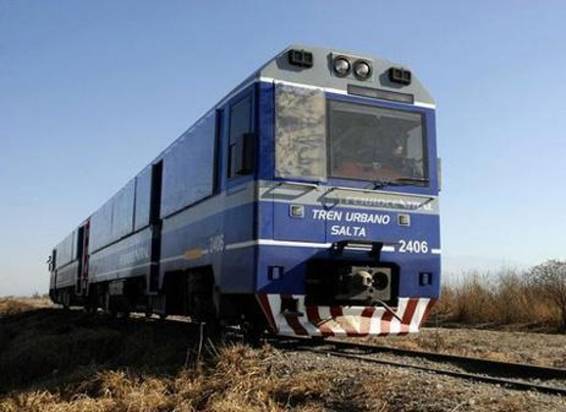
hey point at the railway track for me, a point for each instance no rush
(518, 376)
(506, 374)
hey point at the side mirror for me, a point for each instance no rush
(242, 155)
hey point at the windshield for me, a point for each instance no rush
(376, 144)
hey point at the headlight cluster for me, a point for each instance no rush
(343, 66)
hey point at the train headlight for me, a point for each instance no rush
(380, 280)
(362, 70)
(297, 211)
(399, 75)
(341, 66)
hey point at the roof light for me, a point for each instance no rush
(362, 70)
(341, 66)
(301, 58)
(400, 76)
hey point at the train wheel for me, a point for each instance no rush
(201, 302)
(66, 300)
(90, 308)
(109, 307)
(253, 332)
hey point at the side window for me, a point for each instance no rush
(142, 199)
(241, 146)
(188, 174)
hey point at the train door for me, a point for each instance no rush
(156, 224)
(81, 285)
(239, 211)
(53, 269)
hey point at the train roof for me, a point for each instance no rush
(321, 73)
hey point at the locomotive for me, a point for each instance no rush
(305, 202)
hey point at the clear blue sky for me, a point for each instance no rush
(90, 91)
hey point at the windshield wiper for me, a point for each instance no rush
(411, 180)
(378, 184)
(400, 181)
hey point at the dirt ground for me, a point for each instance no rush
(53, 360)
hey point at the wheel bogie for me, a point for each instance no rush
(193, 293)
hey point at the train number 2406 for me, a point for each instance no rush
(413, 246)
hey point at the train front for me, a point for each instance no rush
(348, 221)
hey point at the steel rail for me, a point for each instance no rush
(497, 367)
(487, 371)
(509, 383)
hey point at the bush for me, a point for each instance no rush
(533, 297)
(549, 280)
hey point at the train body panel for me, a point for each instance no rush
(305, 201)
(126, 258)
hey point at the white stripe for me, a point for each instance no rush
(283, 327)
(418, 315)
(333, 325)
(436, 251)
(290, 243)
(170, 259)
(273, 242)
(394, 323)
(311, 329)
(302, 85)
(353, 315)
(368, 248)
(241, 245)
(425, 105)
(375, 321)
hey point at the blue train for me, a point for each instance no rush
(304, 202)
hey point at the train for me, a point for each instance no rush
(304, 203)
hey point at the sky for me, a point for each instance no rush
(91, 91)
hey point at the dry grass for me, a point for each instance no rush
(55, 360)
(507, 299)
(238, 380)
(11, 305)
